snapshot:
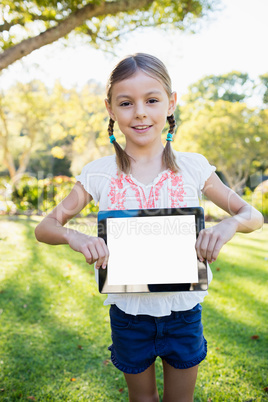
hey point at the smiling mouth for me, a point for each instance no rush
(141, 127)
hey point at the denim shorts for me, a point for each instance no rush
(138, 340)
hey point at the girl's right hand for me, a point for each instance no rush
(93, 248)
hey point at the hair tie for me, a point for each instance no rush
(169, 137)
(112, 139)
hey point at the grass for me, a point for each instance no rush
(54, 329)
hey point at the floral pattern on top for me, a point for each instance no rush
(151, 201)
(116, 194)
(120, 188)
(176, 191)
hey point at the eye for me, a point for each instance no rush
(125, 103)
(153, 100)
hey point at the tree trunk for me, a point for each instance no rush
(7, 156)
(235, 182)
(74, 20)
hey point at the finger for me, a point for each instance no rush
(107, 254)
(216, 250)
(90, 252)
(197, 244)
(94, 252)
(88, 256)
(102, 254)
(210, 249)
(202, 244)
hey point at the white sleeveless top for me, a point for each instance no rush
(168, 190)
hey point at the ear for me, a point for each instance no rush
(109, 110)
(172, 103)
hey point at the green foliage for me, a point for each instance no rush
(232, 87)
(231, 135)
(26, 194)
(23, 19)
(38, 121)
(264, 80)
(54, 326)
(24, 109)
(258, 198)
(216, 122)
(31, 195)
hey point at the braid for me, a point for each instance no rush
(122, 158)
(111, 127)
(169, 159)
(172, 123)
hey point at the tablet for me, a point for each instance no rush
(152, 250)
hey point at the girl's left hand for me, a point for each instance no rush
(211, 240)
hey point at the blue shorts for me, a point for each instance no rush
(138, 340)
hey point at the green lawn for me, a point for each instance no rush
(54, 329)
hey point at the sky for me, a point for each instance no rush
(234, 39)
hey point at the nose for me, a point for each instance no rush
(140, 110)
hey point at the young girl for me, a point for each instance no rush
(147, 175)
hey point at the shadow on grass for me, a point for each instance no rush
(45, 344)
(236, 365)
(235, 325)
(55, 329)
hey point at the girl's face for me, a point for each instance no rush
(140, 105)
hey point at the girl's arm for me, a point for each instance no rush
(51, 229)
(244, 218)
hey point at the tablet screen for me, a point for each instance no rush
(152, 250)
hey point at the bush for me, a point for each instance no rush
(258, 198)
(32, 196)
(25, 194)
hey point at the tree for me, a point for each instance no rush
(264, 81)
(83, 116)
(232, 87)
(29, 25)
(41, 127)
(231, 135)
(22, 113)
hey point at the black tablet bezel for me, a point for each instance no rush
(202, 283)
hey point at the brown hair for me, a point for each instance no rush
(155, 69)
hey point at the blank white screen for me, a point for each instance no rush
(152, 250)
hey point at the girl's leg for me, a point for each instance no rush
(179, 384)
(142, 386)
